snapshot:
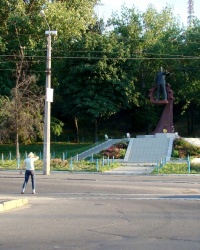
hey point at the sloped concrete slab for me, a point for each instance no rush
(193, 141)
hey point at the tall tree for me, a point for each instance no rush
(94, 86)
(146, 35)
(22, 27)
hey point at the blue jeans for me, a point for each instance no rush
(29, 173)
(161, 88)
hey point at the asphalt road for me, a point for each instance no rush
(99, 211)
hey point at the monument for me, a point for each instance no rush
(165, 124)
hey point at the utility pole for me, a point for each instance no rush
(190, 12)
(48, 100)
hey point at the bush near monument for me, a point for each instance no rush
(181, 149)
(117, 151)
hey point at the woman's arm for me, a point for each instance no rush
(36, 158)
(22, 167)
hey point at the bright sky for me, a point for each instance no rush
(180, 7)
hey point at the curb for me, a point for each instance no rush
(8, 205)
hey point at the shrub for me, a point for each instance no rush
(182, 149)
(117, 151)
(58, 163)
(195, 167)
(175, 153)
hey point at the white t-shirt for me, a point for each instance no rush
(29, 163)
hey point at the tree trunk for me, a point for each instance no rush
(17, 147)
(17, 126)
(76, 128)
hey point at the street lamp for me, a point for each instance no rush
(48, 100)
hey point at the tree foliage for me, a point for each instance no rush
(22, 29)
(98, 69)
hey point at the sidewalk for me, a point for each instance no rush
(6, 205)
(132, 170)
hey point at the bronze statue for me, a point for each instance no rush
(161, 84)
(165, 124)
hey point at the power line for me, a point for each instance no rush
(180, 57)
(37, 61)
(30, 70)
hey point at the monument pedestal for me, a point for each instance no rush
(165, 123)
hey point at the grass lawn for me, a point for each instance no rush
(63, 165)
(57, 162)
(177, 168)
(57, 149)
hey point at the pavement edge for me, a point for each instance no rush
(12, 204)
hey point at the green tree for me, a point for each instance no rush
(188, 79)
(56, 126)
(94, 86)
(22, 29)
(146, 37)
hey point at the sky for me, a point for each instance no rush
(180, 7)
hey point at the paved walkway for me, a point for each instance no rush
(132, 170)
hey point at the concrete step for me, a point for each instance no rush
(145, 149)
(149, 149)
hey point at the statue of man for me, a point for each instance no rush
(161, 83)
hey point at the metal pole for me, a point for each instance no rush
(47, 116)
(188, 163)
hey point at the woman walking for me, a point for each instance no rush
(30, 171)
